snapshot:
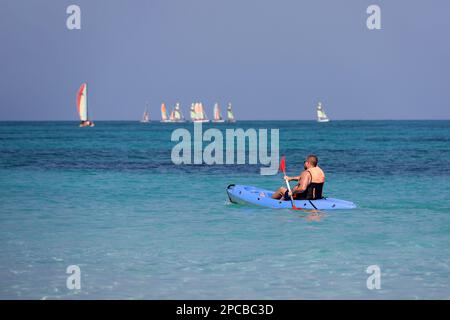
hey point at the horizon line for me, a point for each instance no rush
(187, 121)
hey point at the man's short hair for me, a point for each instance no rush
(312, 159)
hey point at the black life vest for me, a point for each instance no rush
(312, 192)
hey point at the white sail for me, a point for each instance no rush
(178, 114)
(203, 117)
(200, 115)
(198, 111)
(192, 112)
(321, 115)
(217, 116)
(145, 115)
(230, 114)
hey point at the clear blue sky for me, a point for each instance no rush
(271, 59)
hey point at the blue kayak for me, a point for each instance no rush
(260, 197)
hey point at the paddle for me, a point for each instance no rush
(283, 169)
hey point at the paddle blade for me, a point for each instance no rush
(283, 164)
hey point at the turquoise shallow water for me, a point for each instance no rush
(109, 200)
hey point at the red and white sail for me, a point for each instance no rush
(82, 102)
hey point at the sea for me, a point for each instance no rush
(110, 201)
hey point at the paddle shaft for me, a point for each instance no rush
(289, 190)
(283, 168)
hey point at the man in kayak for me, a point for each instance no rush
(310, 183)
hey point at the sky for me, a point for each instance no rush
(273, 60)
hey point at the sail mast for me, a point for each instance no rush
(86, 98)
(192, 112)
(203, 113)
(178, 115)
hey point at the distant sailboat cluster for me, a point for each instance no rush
(196, 112)
(176, 114)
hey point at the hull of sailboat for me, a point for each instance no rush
(202, 120)
(218, 121)
(323, 120)
(172, 121)
(87, 125)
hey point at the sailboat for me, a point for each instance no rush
(164, 117)
(199, 114)
(230, 115)
(321, 115)
(82, 106)
(145, 116)
(176, 115)
(217, 115)
(192, 112)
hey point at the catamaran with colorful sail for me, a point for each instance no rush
(176, 115)
(145, 116)
(82, 106)
(164, 117)
(321, 115)
(198, 114)
(217, 116)
(230, 114)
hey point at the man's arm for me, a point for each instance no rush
(296, 178)
(292, 178)
(304, 181)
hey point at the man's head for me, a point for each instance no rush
(311, 161)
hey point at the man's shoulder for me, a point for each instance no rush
(304, 173)
(320, 169)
